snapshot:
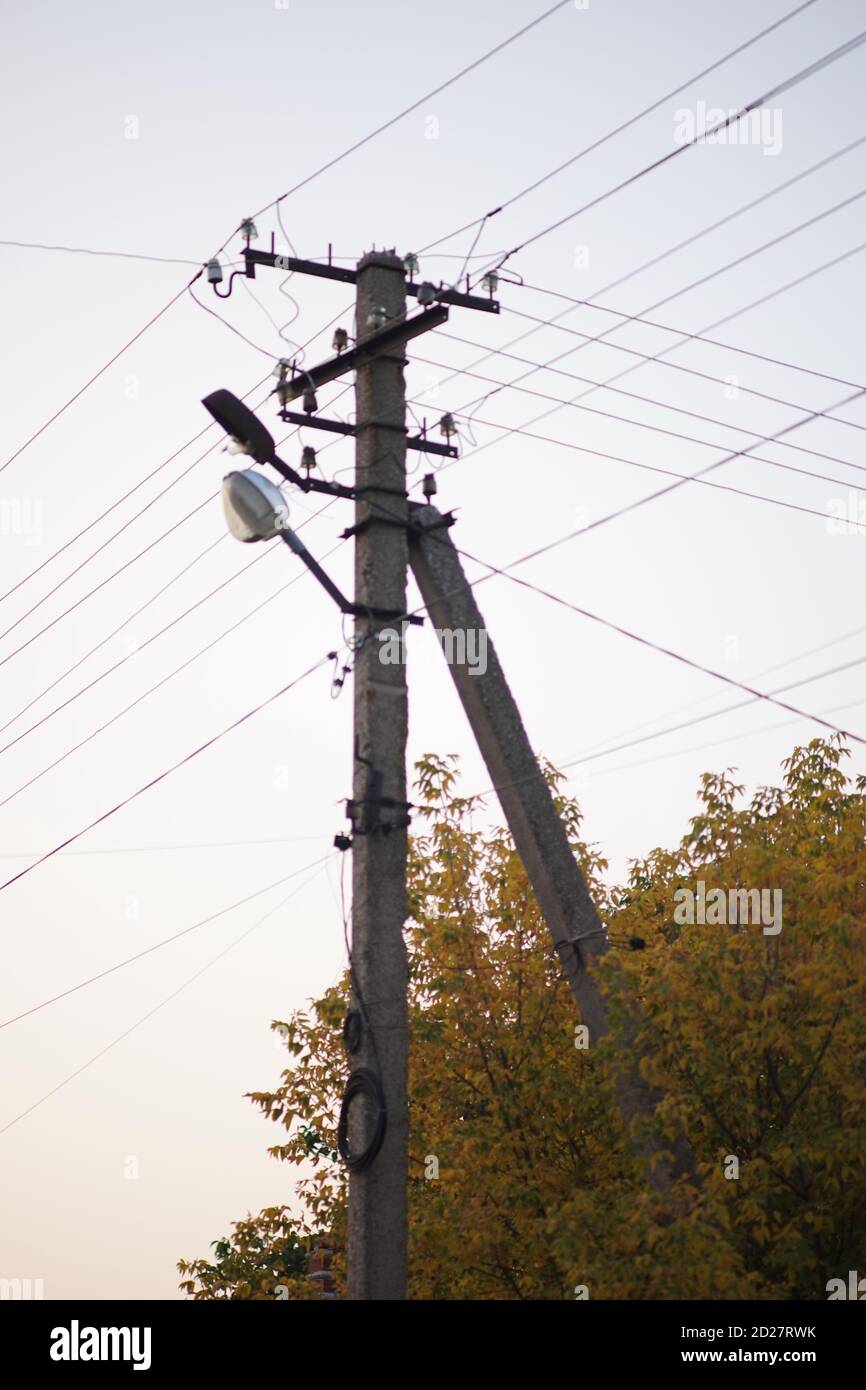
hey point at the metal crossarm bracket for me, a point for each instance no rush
(329, 271)
(372, 346)
(408, 525)
(316, 422)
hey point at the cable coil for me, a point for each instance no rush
(365, 1082)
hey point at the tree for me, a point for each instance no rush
(522, 1181)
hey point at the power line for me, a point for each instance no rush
(102, 583)
(154, 781)
(594, 753)
(230, 326)
(89, 527)
(718, 742)
(102, 546)
(833, 56)
(686, 336)
(252, 613)
(728, 709)
(766, 670)
(308, 179)
(102, 370)
(151, 1012)
(103, 640)
(651, 497)
(407, 111)
(683, 336)
(162, 849)
(681, 478)
(128, 494)
(166, 941)
(645, 358)
(88, 251)
(645, 641)
(659, 429)
(677, 294)
(618, 130)
(256, 559)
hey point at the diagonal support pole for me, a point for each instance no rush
(539, 834)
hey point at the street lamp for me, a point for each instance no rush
(255, 508)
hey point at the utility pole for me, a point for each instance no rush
(539, 834)
(372, 1133)
(378, 1203)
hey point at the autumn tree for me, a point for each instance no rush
(523, 1183)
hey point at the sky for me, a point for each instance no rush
(125, 1139)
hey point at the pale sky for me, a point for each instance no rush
(229, 105)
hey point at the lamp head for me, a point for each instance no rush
(254, 507)
(241, 424)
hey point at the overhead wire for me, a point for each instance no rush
(684, 336)
(163, 849)
(144, 1018)
(165, 941)
(681, 478)
(505, 386)
(618, 130)
(641, 640)
(103, 545)
(88, 738)
(834, 55)
(89, 251)
(155, 781)
(96, 375)
(34, 699)
(407, 110)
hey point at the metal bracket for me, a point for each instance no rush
(364, 813)
(414, 441)
(347, 276)
(409, 525)
(374, 345)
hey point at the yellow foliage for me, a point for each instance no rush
(757, 1043)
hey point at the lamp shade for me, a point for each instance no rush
(254, 507)
(240, 423)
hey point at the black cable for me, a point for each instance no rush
(161, 1005)
(158, 945)
(163, 680)
(604, 752)
(842, 51)
(470, 67)
(623, 317)
(645, 357)
(96, 375)
(657, 429)
(88, 251)
(681, 478)
(632, 120)
(154, 781)
(230, 326)
(362, 1082)
(644, 641)
(685, 335)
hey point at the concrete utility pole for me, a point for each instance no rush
(378, 1194)
(539, 834)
